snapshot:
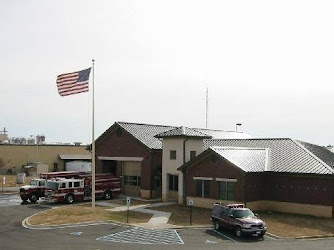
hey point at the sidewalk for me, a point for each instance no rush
(6, 190)
(159, 219)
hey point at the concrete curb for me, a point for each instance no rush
(300, 237)
(27, 225)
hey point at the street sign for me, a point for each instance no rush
(128, 201)
(191, 203)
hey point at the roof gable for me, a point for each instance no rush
(145, 133)
(247, 159)
(183, 132)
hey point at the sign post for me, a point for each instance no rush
(191, 203)
(128, 202)
(3, 182)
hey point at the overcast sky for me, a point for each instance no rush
(270, 66)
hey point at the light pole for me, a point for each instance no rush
(236, 126)
(37, 153)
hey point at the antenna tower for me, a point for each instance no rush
(207, 93)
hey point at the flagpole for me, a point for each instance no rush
(93, 143)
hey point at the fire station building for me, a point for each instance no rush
(208, 166)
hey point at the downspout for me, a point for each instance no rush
(152, 179)
(245, 190)
(184, 173)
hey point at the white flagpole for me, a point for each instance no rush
(93, 144)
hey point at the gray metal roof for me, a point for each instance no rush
(247, 159)
(183, 131)
(146, 133)
(286, 155)
(321, 152)
(221, 134)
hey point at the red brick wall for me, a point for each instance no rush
(123, 144)
(301, 189)
(294, 188)
(213, 166)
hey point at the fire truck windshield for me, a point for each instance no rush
(52, 185)
(34, 182)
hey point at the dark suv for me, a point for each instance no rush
(239, 219)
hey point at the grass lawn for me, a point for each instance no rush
(280, 224)
(181, 215)
(133, 202)
(292, 225)
(84, 213)
(11, 181)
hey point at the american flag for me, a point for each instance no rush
(73, 83)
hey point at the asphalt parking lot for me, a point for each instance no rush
(109, 235)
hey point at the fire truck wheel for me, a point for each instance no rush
(69, 199)
(107, 195)
(33, 198)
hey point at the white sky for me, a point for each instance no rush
(270, 66)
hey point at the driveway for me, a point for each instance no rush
(109, 235)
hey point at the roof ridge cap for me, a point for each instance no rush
(253, 139)
(314, 156)
(147, 124)
(237, 148)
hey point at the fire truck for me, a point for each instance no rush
(36, 187)
(107, 186)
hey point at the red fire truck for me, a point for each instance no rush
(36, 187)
(107, 186)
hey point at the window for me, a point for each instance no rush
(55, 167)
(203, 188)
(70, 184)
(77, 184)
(132, 180)
(172, 154)
(63, 185)
(192, 154)
(226, 190)
(173, 182)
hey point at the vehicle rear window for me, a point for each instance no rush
(243, 214)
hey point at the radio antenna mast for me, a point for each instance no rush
(207, 93)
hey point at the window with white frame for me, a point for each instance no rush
(202, 187)
(132, 180)
(226, 189)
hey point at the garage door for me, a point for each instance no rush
(131, 178)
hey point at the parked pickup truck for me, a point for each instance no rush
(239, 219)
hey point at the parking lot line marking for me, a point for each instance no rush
(177, 234)
(144, 236)
(224, 235)
(269, 237)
